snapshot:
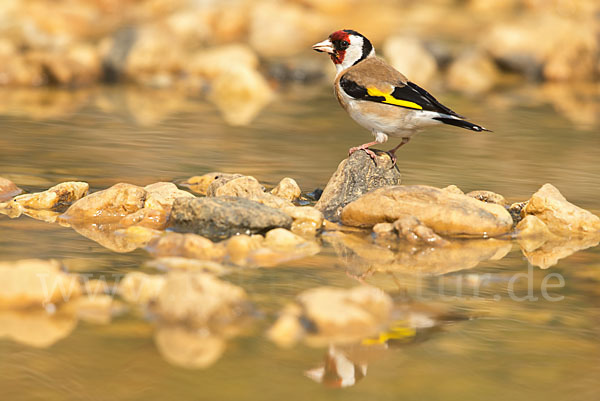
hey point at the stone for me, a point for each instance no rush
(240, 246)
(141, 289)
(532, 233)
(560, 216)
(444, 212)
(59, 197)
(411, 229)
(288, 329)
(338, 315)
(156, 219)
(185, 245)
(96, 309)
(516, 210)
(488, 197)
(8, 190)
(240, 93)
(454, 189)
(211, 63)
(410, 56)
(36, 328)
(355, 176)
(282, 239)
(201, 183)
(179, 263)
(222, 217)
(287, 189)
(308, 221)
(383, 229)
(200, 299)
(106, 206)
(161, 195)
(36, 283)
(472, 72)
(191, 349)
(244, 187)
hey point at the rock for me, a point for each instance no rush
(222, 217)
(56, 198)
(409, 55)
(533, 233)
(287, 189)
(488, 197)
(288, 328)
(211, 63)
(515, 211)
(244, 187)
(454, 189)
(140, 288)
(107, 206)
(191, 349)
(186, 264)
(36, 328)
(240, 93)
(8, 190)
(560, 216)
(282, 239)
(35, 283)
(161, 195)
(239, 248)
(339, 315)
(308, 221)
(96, 309)
(147, 218)
(186, 245)
(383, 229)
(473, 72)
(444, 212)
(411, 229)
(201, 183)
(200, 299)
(355, 176)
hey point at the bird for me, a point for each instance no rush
(380, 98)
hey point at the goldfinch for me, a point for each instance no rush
(380, 98)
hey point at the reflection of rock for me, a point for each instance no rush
(187, 264)
(112, 237)
(140, 288)
(8, 189)
(533, 233)
(58, 197)
(410, 56)
(445, 212)
(35, 283)
(561, 217)
(550, 252)
(308, 221)
(223, 217)
(109, 205)
(334, 315)
(36, 328)
(186, 245)
(361, 255)
(240, 93)
(188, 348)
(355, 176)
(287, 189)
(200, 299)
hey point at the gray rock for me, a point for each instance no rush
(222, 217)
(355, 176)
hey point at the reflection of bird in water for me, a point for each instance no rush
(380, 98)
(338, 370)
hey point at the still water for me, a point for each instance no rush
(497, 345)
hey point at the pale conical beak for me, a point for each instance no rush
(325, 46)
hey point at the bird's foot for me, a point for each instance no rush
(371, 154)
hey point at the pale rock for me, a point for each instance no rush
(36, 328)
(532, 233)
(488, 197)
(161, 195)
(200, 299)
(454, 189)
(36, 283)
(240, 93)
(283, 240)
(560, 216)
(444, 212)
(211, 63)
(155, 219)
(240, 246)
(243, 187)
(409, 56)
(186, 264)
(57, 197)
(411, 229)
(287, 189)
(186, 245)
(188, 348)
(141, 289)
(472, 72)
(383, 229)
(201, 183)
(288, 329)
(308, 221)
(8, 189)
(96, 309)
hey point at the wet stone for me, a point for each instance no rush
(59, 197)
(355, 176)
(222, 217)
(8, 189)
(201, 183)
(287, 189)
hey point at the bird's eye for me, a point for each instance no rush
(344, 44)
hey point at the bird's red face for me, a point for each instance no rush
(335, 45)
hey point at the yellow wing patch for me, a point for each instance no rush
(389, 99)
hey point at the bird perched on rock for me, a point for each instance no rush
(380, 98)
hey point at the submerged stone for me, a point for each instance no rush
(355, 176)
(445, 212)
(8, 190)
(222, 217)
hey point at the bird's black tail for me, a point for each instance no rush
(461, 123)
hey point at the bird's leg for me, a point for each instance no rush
(365, 147)
(392, 153)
